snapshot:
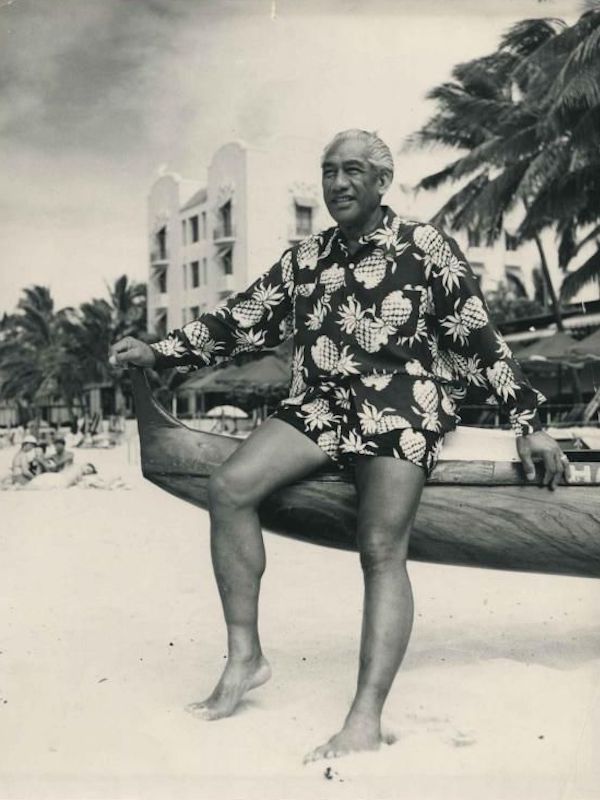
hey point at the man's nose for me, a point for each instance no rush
(340, 180)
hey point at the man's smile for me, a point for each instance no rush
(343, 200)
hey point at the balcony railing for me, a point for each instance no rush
(226, 283)
(159, 257)
(224, 233)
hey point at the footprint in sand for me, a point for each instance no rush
(462, 739)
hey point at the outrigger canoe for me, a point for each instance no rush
(478, 512)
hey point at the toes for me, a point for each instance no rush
(322, 752)
(202, 711)
(314, 755)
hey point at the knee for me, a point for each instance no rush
(228, 489)
(381, 548)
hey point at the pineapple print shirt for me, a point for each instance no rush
(399, 328)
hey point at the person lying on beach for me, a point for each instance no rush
(390, 328)
(71, 475)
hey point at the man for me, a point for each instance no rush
(386, 315)
(61, 457)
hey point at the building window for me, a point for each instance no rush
(474, 238)
(478, 269)
(160, 323)
(304, 220)
(203, 218)
(195, 229)
(227, 262)
(225, 227)
(195, 268)
(183, 231)
(204, 272)
(162, 281)
(160, 243)
(510, 242)
(515, 285)
(194, 312)
(184, 270)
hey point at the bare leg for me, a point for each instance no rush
(389, 493)
(274, 455)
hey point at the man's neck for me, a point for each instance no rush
(353, 234)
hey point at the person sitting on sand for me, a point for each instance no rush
(28, 462)
(390, 328)
(61, 457)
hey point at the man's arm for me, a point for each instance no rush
(481, 356)
(257, 318)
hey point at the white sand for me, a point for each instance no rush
(112, 625)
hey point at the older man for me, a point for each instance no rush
(389, 328)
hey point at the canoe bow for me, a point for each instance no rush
(472, 513)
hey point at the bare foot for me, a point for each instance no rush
(355, 736)
(237, 679)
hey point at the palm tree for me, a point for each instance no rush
(99, 323)
(528, 117)
(34, 361)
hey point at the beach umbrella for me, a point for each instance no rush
(209, 380)
(269, 371)
(231, 412)
(589, 347)
(555, 348)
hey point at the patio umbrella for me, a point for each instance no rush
(231, 412)
(555, 348)
(589, 347)
(209, 380)
(268, 371)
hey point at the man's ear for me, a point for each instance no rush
(384, 181)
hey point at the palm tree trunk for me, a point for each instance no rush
(549, 285)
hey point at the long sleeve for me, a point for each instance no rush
(478, 353)
(259, 317)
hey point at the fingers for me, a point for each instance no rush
(556, 466)
(566, 467)
(122, 351)
(528, 466)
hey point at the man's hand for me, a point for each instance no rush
(131, 351)
(539, 446)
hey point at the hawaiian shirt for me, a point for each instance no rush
(400, 327)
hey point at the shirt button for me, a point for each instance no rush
(351, 265)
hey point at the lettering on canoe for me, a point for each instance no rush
(584, 473)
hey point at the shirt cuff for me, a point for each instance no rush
(161, 359)
(525, 422)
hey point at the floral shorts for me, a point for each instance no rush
(328, 417)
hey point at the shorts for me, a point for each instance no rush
(328, 417)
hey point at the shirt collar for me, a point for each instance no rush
(381, 233)
(382, 229)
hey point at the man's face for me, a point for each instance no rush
(352, 187)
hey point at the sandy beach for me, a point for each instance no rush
(112, 624)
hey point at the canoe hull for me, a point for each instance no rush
(508, 525)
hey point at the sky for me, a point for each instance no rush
(98, 96)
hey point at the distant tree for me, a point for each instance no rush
(46, 353)
(35, 362)
(506, 305)
(527, 120)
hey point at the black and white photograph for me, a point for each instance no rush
(300, 399)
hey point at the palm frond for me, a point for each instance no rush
(587, 273)
(436, 179)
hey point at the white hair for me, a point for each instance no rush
(379, 154)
